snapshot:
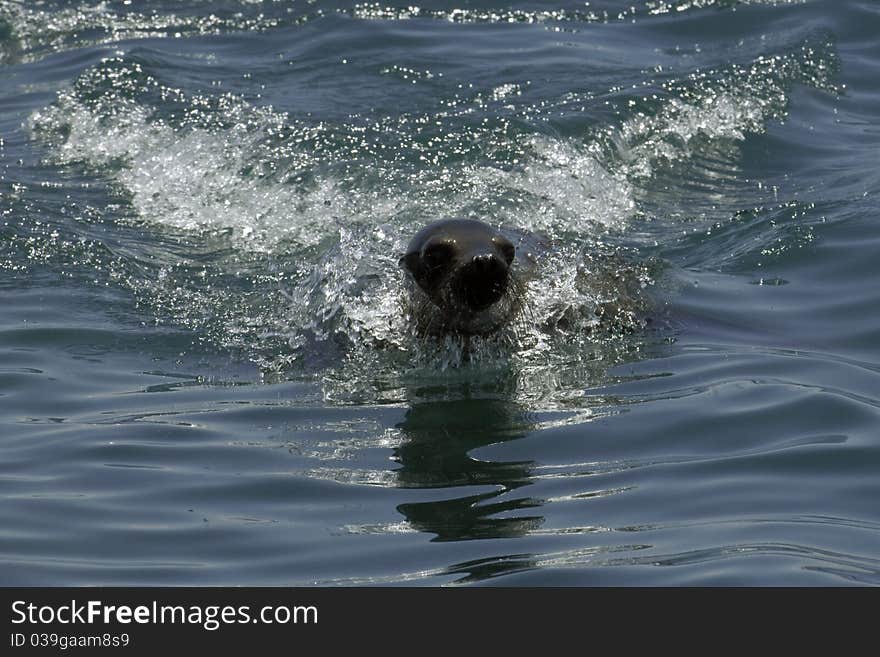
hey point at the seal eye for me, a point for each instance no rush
(507, 249)
(437, 254)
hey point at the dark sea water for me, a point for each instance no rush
(206, 376)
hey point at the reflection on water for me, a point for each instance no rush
(440, 436)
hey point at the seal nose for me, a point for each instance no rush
(483, 281)
(485, 262)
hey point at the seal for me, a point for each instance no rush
(463, 278)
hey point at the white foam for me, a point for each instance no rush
(668, 136)
(569, 189)
(194, 179)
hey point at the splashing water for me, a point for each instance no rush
(302, 220)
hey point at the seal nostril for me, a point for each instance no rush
(483, 281)
(485, 262)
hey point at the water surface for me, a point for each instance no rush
(205, 374)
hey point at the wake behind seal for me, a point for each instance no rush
(464, 277)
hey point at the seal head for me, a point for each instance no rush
(463, 277)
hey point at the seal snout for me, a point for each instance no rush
(482, 281)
